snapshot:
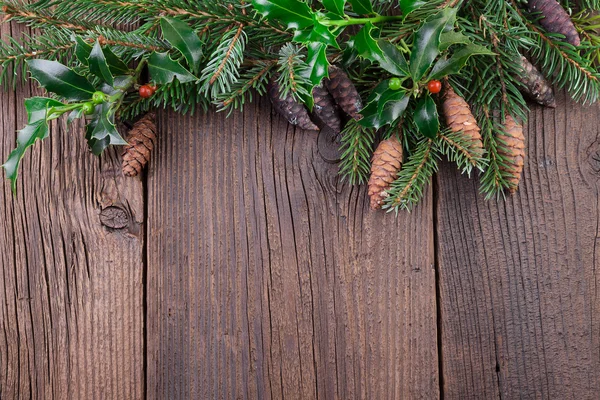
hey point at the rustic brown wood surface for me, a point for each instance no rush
(241, 267)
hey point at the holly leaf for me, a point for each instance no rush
(453, 65)
(362, 7)
(448, 39)
(36, 129)
(99, 66)
(101, 131)
(318, 65)
(316, 33)
(384, 106)
(426, 47)
(294, 14)
(382, 52)
(408, 6)
(163, 70)
(58, 79)
(83, 51)
(181, 36)
(426, 117)
(335, 6)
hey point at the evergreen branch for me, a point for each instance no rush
(291, 79)
(255, 78)
(461, 151)
(416, 173)
(38, 19)
(222, 71)
(356, 149)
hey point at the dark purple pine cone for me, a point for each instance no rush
(289, 108)
(555, 19)
(325, 111)
(343, 91)
(536, 85)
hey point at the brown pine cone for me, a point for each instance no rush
(325, 111)
(555, 19)
(459, 118)
(343, 91)
(289, 108)
(141, 143)
(385, 165)
(536, 85)
(512, 148)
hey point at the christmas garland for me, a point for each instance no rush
(372, 71)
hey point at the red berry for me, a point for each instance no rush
(434, 86)
(146, 91)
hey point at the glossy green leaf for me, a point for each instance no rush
(294, 14)
(362, 7)
(318, 65)
(75, 114)
(407, 6)
(451, 38)
(384, 106)
(82, 50)
(58, 79)
(426, 117)
(459, 59)
(427, 42)
(163, 70)
(99, 66)
(335, 6)
(316, 33)
(382, 52)
(36, 129)
(101, 131)
(181, 36)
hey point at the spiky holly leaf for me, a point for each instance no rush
(316, 33)
(318, 65)
(99, 66)
(426, 117)
(335, 6)
(382, 52)
(453, 65)
(101, 131)
(163, 70)
(384, 106)
(57, 78)
(36, 128)
(407, 6)
(181, 36)
(362, 7)
(84, 50)
(294, 14)
(427, 42)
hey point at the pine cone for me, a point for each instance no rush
(512, 148)
(459, 118)
(536, 85)
(141, 142)
(555, 19)
(343, 91)
(325, 111)
(386, 163)
(289, 108)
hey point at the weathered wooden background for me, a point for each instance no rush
(245, 270)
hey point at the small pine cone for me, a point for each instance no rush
(555, 19)
(459, 118)
(536, 85)
(325, 111)
(385, 165)
(343, 91)
(141, 143)
(512, 148)
(289, 108)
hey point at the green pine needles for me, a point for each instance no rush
(93, 57)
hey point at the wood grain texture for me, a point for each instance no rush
(518, 279)
(268, 278)
(71, 313)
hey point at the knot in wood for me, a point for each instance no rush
(114, 217)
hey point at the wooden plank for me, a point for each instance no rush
(71, 314)
(268, 278)
(518, 279)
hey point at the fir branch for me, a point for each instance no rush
(461, 151)
(416, 173)
(255, 78)
(222, 71)
(356, 149)
(30, 16)
(291, 71)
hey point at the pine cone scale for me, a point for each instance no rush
(141, 141)
(513, 150)
(343, 91)
(386, 163)
(459, 118)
